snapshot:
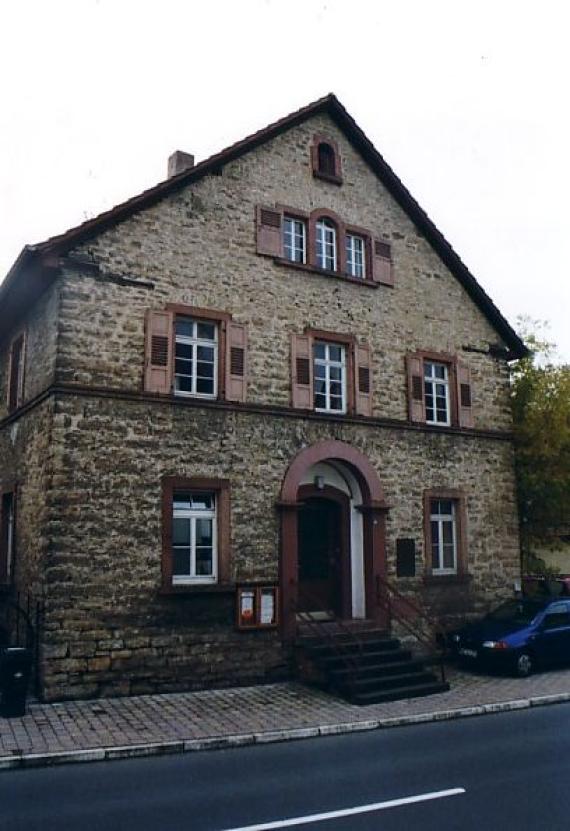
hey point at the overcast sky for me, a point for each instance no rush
(467, 101)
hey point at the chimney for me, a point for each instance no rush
(178, 162)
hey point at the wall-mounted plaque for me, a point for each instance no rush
(405, 557)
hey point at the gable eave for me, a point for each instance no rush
(330, 105)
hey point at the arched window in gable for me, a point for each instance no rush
(326, 159)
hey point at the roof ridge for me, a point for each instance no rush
(328, 103)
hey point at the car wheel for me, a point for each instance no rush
(524, 664)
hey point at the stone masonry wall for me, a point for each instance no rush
(89, 467)
(109, 628)
(28, 454)
(41, 328)
(198, 248)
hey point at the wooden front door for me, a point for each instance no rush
(323, 556)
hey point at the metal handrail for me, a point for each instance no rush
(434, 643)
(322, 631)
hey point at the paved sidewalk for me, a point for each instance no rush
(153, 724)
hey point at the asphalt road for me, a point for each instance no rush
(511, 771)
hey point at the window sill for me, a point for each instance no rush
(212, 588)
(346, 278)
(431, 425)
(447, 579)
(328, 177)
(202, 396)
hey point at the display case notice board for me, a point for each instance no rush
(257, 607)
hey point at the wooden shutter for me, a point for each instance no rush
(159, 352)
(382, 266)
(16, 373)
(416, 403)
(363, 378)
(236, 362)
(464, 402)
(269, 222)
(302, 372)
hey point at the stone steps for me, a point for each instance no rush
(368, 666)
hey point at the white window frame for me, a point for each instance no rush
(431, 382)
(295, 230)
(327, 362)
(193, 514)
(441, 519)
(194, 341)
(355, 256)
(326, 245)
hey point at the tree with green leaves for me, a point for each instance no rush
(540, 397)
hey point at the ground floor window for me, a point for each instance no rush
(194, 552)
(195, 532)
(443, 536)
(445, 533)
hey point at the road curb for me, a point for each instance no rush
(100, 754)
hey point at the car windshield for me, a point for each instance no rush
(516, 611)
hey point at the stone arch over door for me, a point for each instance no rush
(373, 509)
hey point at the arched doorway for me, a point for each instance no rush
(332, 535)
(323, 551)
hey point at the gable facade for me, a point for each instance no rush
(203, 421)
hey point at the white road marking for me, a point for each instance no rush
(347, 812)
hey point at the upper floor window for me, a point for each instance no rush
(194, 544)
(295, 239)
(16, 373)
(436, 393)
(196, 358)
(355, 256)
(326, 251)
(443, 534)
(322, 240)
(331, 372)
(439, 390)
(195, 353)
(329, 377)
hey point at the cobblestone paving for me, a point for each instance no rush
(120, 722)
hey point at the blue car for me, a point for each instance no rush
(518, 636)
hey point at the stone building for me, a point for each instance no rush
(267, 385)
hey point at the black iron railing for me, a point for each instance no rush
(322, 630)
(423, 628)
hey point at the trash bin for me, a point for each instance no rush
(15, 670)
